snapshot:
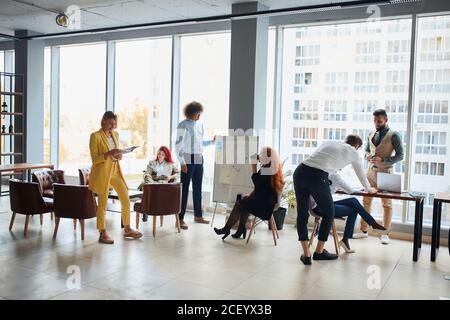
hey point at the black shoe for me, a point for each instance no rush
(325, 255)
(306, 260)
(144, 218)
(224, 231)
(239, 233)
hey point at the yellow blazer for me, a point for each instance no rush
(102, 169)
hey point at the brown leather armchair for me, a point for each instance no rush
(73, 202)
(160, 199)
(84, 175)
(25, 198)
(46, 179)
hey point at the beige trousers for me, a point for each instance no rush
(367, 201)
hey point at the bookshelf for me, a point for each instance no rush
(12, 122)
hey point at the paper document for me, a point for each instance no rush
(128, 150)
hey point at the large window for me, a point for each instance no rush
(82, 102)
(2, 61)
(47, 97)
(205, 77)
(142, 100)
(334, 78)
(430, 169)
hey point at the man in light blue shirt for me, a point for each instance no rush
(189, 149)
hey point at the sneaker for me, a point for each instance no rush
(183, 225)
(384, 239)
(361, 235)
(201, 220)
(325, 255)
(306, 260)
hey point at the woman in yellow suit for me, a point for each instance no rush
(105, 172)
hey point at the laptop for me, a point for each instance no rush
(389, 182)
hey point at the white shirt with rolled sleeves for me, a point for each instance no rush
(337, 183)
(333, 156)
(190, 140)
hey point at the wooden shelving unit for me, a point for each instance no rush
(12, 122)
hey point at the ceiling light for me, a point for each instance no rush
(62, 20)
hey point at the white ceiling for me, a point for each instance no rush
(26, 14)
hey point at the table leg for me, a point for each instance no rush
(434, 230)
(438, 225)
(421, 223)
(416, 231)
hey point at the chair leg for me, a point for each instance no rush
(82, 228)
(154, 226)
(41, 219)
(27, 221)
(316, 225)
(252, 228)
(161, 220)
(74, 224)
(137, 220)
(335, 238)
(56, 227)
(276, 229)
(273, 228)
(52, 216)
(177, 217)
(11, 223)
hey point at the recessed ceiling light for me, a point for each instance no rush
(62, 20)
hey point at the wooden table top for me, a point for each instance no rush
(25, 166)
(133, 194)
(406, 196)
(443, 196)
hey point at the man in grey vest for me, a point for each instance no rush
(383, 149)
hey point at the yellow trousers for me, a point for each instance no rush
(386, 203)
(122, 191)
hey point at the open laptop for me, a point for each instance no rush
(389, 182)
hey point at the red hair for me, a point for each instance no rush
(167, 154)
(277, 179)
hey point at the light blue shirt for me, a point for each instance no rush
(190, 140)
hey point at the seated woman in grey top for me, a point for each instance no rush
(162, 169)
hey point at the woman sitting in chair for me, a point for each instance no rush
(349, 207)
(268, 182)
(162, 169)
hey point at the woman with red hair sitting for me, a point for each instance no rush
(268, 182)
(162, 169)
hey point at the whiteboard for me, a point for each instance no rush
(232, 171)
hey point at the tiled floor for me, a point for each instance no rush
(196, 264)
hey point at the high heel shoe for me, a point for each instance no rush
(240, 233)
(346, 246)
(224, 231)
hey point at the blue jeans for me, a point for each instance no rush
(349, 208)
(194, 173)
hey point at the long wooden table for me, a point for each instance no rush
(418, 199)
(439, 199)
(11, 169)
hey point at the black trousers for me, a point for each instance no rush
(313, 182)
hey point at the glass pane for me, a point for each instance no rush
(433, 92)
(47, 86)
(205, 77)
(142, 101)
(81, 102)
(348, 84)
(2, 61)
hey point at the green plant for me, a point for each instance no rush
(288, 193)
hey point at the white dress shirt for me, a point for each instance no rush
(333, 156)
(190, 139)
